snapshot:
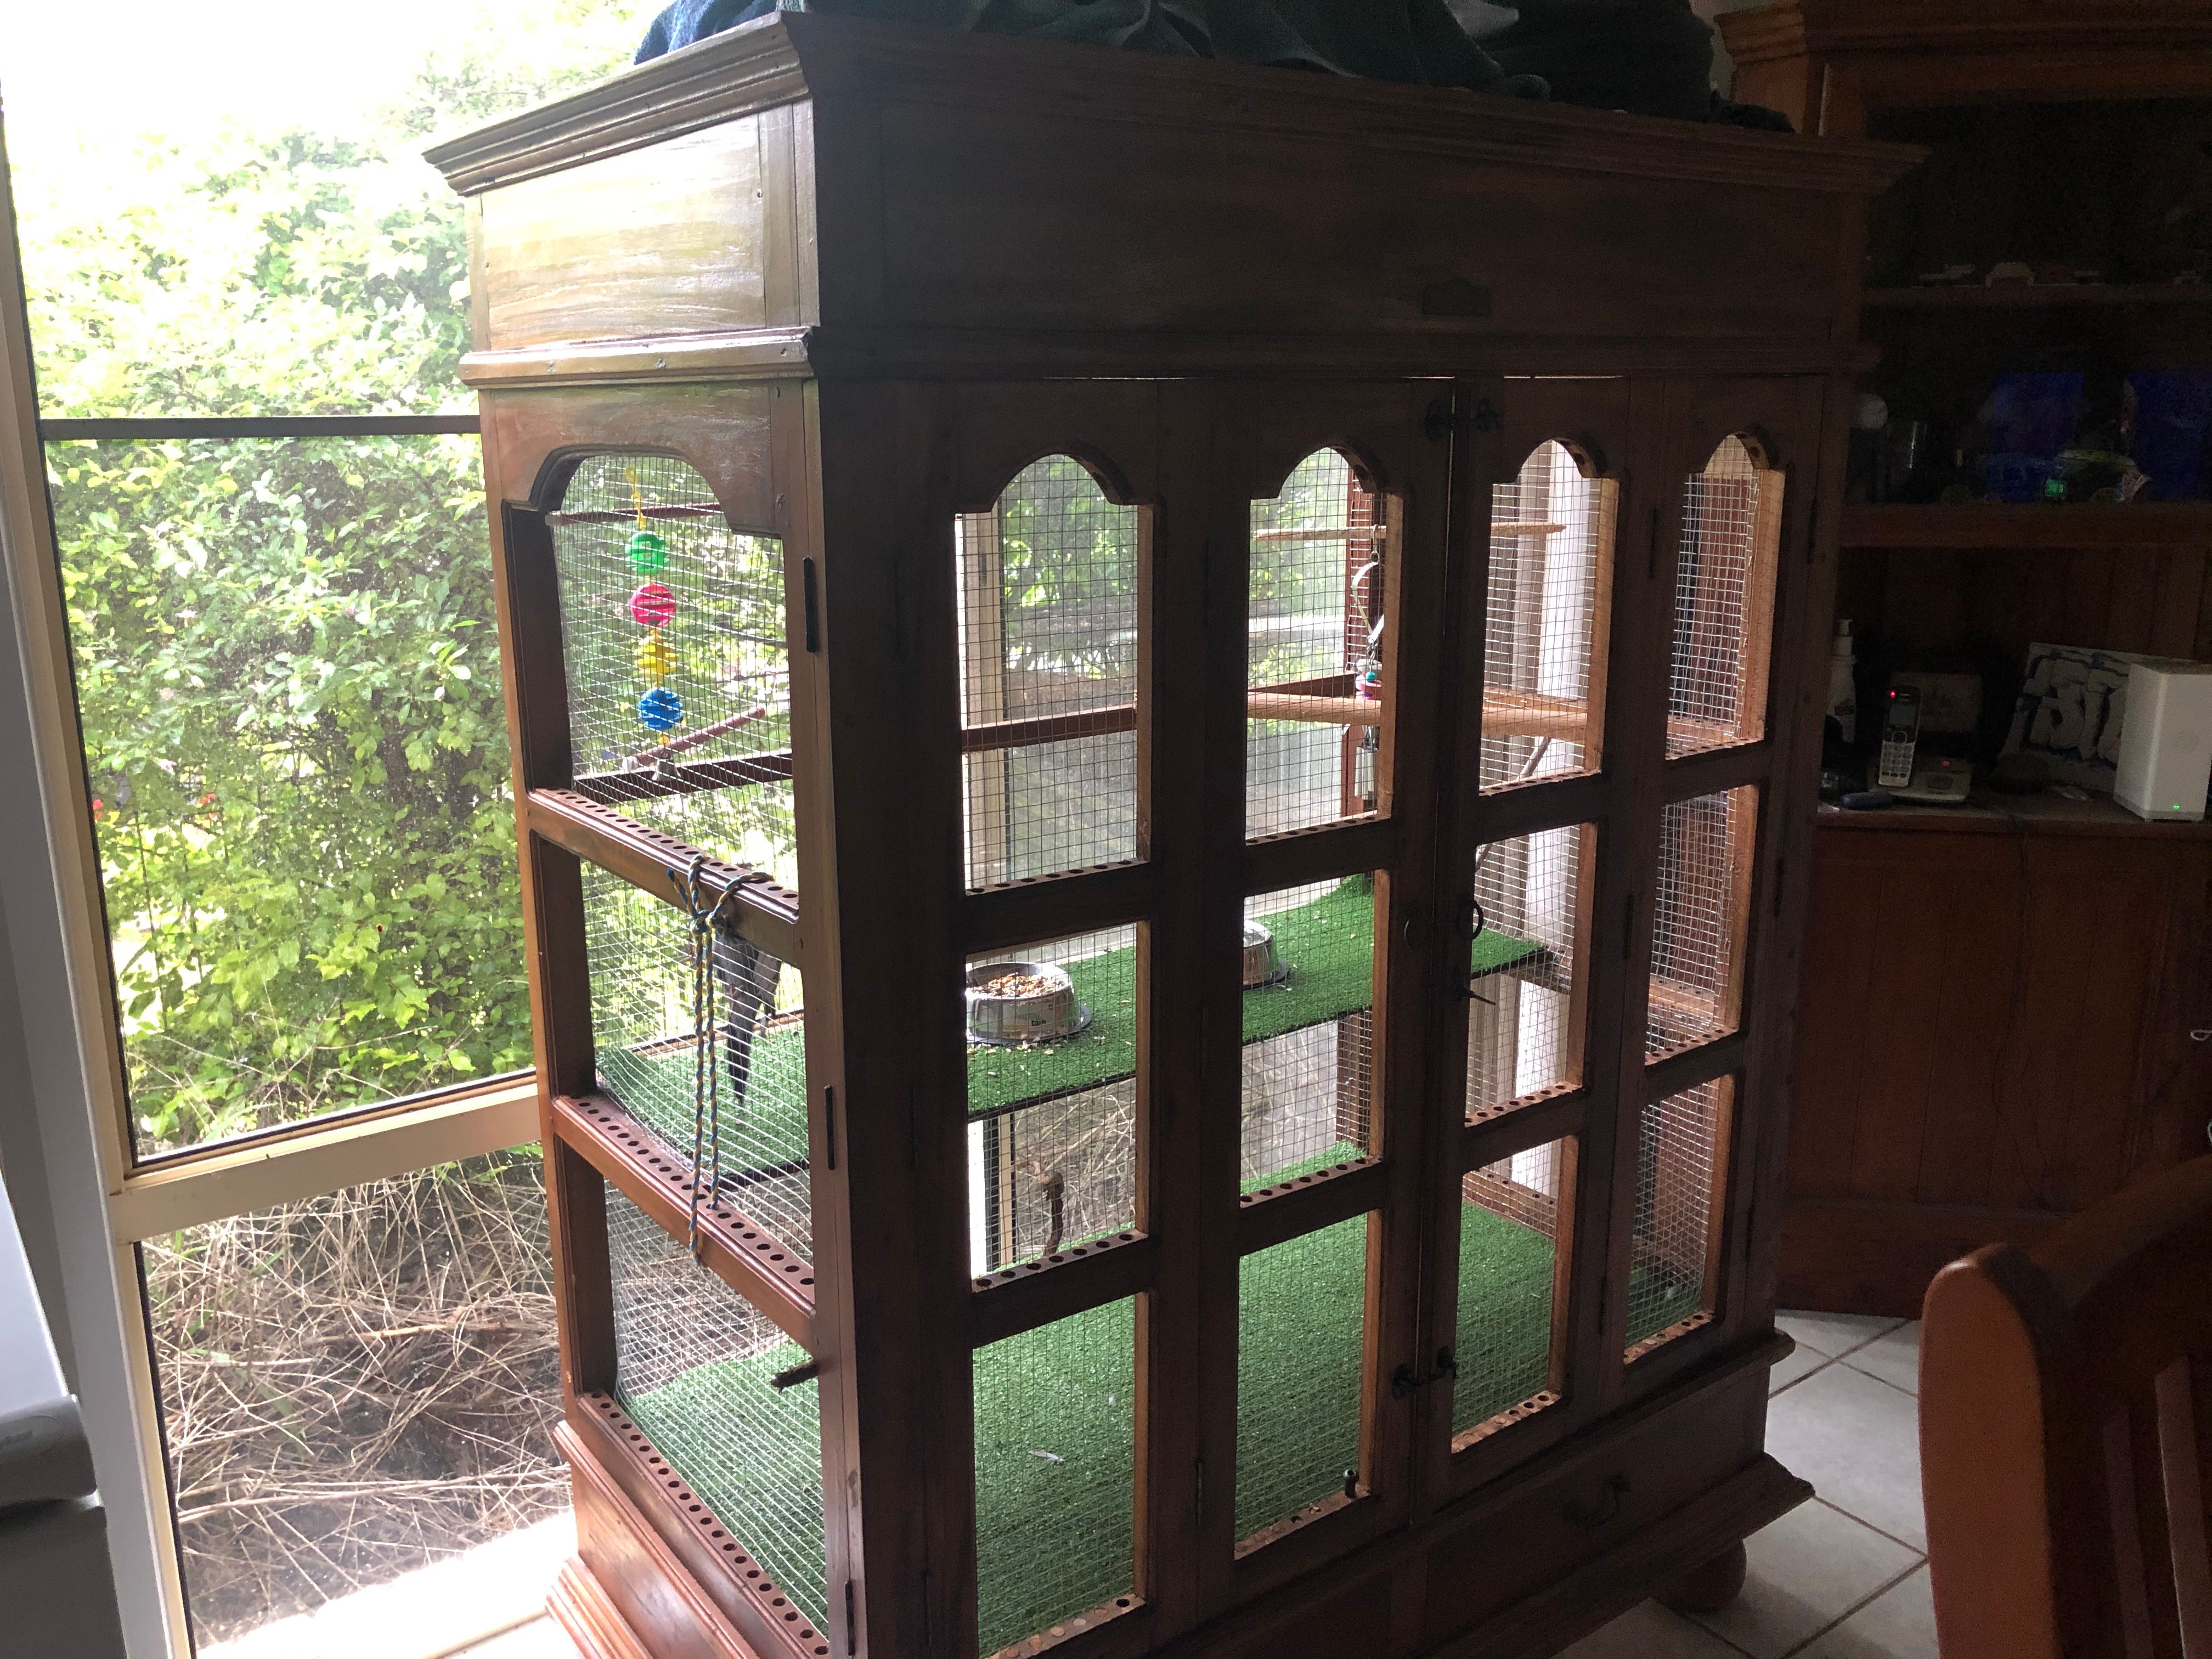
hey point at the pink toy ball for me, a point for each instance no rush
(653, 606)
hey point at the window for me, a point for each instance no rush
(269, 545)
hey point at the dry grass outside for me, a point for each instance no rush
(356, 1386)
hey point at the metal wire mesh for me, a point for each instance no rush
(1055, 1473)
(1300, 1314)
(1049, 634)
(1696, 919)
(1677, 1176)
(1551, 576)
(1309, 1055)
(1723, 603)
(695, 1367)
(1525, 1001)
(679, 671)
(1317, 669)
(645, 1032)
(1512, 1216)
(1052, 1142)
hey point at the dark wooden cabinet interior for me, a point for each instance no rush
(2002, 1014)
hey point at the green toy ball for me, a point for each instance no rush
(648, 553)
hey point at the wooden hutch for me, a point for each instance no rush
(2007, 1005)
(1303, 600)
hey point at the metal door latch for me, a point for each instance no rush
(1443, 420)
(1406, 1380)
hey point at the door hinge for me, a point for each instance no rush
(852, 1630)
(811, 602)
(1651, 550)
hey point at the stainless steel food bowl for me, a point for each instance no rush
(1013, 1003)
(1261, 965)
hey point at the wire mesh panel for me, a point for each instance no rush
(1705, 847)
(1308, 1073)
(1513, 1215)
(1550, 592)
(739, 1099)
(1052, 1057)
(679, 671)
(1723, 603)
(1301, 1326)
(1317, 657)
(707, 1378)
(1526, 993)
(1049, 634)
(1055, 1474)
(1682, 1150)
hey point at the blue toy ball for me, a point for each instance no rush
(661, 709)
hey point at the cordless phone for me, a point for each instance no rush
(1900, 732)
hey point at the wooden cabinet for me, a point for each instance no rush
(1164, 722)
(2005, 1018)
(1997, 1004)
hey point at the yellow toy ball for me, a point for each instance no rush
(656, 660)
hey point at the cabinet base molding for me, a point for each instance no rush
(1644, 1505)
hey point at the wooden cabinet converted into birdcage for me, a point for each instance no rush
(1163, 723)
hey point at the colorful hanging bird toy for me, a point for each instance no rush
(652, 607)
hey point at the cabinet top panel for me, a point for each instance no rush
(900, 195)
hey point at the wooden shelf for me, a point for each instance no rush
(1987, 813)
(1999, 528)
(2054, 296)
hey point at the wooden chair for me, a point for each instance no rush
(2066, 1435)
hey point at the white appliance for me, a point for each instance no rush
(57, 1588)
(2166, 740)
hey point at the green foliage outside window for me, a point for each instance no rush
(284, 649)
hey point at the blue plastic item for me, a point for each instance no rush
(2033, 414)
(2172, 425)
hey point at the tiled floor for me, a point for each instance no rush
(1843, 1577)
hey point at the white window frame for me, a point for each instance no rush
(85, 1203)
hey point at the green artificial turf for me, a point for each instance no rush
(1054, 1428)
(1328, 944)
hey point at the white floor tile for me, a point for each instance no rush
(1900, 1624)
(1806, 1570)
(1834, 1334)
(1800, 1365)
(1857, 1440)
(1651, 1631)
(1893, 1359)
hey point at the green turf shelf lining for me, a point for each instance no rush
(1061, 1389)
(1504, 1339)
(1301, 1323)
(1327, 942)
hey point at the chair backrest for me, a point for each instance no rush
(2066, 1435)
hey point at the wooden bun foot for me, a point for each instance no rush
(1712, 1587)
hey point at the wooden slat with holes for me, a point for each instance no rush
(663, 1510)
(760, 911)
(1070, 1281)
(747, 1257)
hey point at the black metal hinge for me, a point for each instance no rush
(1443, 420)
